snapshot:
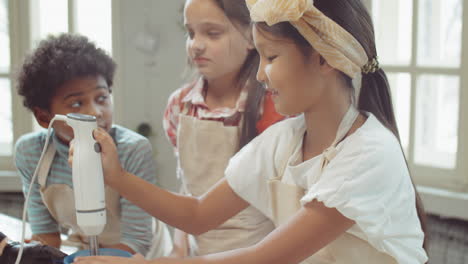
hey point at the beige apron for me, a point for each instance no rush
(285, 202)
(205, 148)
(60, 201)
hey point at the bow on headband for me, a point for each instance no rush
(339, 48)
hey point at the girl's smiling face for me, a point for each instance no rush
(289, 74)
(215, 46)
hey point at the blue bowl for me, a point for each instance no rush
(102, 252)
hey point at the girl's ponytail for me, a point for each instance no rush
(238, 13)
(376, 98)
(255, 96)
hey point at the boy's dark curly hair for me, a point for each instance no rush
(59, 59)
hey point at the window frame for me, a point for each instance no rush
(456, 179)
(19, 45)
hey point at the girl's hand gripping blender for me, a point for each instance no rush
(88, 181)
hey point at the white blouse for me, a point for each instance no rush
(368, 181)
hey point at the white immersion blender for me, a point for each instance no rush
(88, 180)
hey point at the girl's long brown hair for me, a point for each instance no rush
(238, 14)
(375, 91)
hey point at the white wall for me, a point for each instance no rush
(145, 79)
(368, 3)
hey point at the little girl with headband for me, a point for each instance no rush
(334, 179)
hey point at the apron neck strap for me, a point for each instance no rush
(45, 165)
(343, 129)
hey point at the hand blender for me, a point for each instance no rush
(88, 181)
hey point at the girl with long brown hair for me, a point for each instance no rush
(209, 119)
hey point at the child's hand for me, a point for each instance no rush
(136, 259)
(111, 167)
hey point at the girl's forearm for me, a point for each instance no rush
(244, 255)
(189, 214)
(313, 227)
(176, 210)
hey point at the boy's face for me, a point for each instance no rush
(86, 95)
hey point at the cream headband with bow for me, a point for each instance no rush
(339, 48)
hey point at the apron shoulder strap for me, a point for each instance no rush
(343, 129)
(45, 165)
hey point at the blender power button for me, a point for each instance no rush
(97, 147)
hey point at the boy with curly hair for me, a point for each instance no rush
(69, 74)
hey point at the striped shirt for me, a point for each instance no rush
(135, 154)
